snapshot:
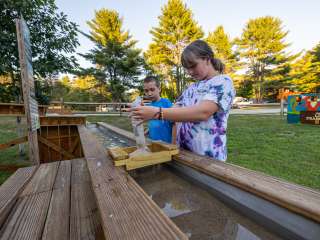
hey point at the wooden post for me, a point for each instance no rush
(20, 134)
(281, 94)
(282, 107)
(61, 105)
(20, 130)
(28, 89)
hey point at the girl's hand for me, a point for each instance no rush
(144, 113)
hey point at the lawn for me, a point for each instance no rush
(10, 156)
(263, 143)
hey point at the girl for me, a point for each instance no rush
(203, 108)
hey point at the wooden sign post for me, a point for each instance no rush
(30, 103)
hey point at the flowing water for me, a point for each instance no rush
(195, 211)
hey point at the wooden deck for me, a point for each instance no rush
(52, 201)
(86, 198)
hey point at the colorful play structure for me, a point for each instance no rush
(304, 108)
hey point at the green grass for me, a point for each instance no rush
(266, 144)
(10, 156)
(262, 143)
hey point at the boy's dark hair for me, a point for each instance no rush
(152, 79)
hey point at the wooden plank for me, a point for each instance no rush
(17, 109)
(118, 153)
(28, 89)
(126, 211)
(8, 109)
(56, 147)
(42, 180)
(74, 145)
(63, 177)
(296, 198)
(84, 216)
(57, 222)
(139, 162)
(80, 172)
(10, 190)
(13, 142)
(27, 218)
(62, 120)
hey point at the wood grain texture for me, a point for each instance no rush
(126, 211)
(10, 190)
(57, 221)
(43, 180)
(84, 216)
(27, 219)
(294, 197)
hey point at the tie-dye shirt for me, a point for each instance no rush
(207, 137)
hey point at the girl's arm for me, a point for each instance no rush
(199, 112)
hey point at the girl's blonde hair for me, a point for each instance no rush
(200, 49)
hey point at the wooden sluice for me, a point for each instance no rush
(290, 210)
(85, 197)
(77, 193)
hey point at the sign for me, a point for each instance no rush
(310, 117)
(301, 104)
(28, 89)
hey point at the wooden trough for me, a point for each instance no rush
(160, 152)
(59, 139)
(292, 211)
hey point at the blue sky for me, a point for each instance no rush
(301, 18)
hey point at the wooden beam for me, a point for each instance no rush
(126, 211)
(56, 147)
(17, 109)
(13, 142)
(74, 145)
(299, 199)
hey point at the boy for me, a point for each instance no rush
(158, 129)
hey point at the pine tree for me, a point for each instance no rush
(222, 47)
(175, 31)
(306, 71)
(117, 62)
(262, 47)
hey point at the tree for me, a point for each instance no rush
(222, 47)
(306, 71)
(262, 47)
(53, 38)
(117, 62)
(175, 31)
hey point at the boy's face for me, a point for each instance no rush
(151, 91)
